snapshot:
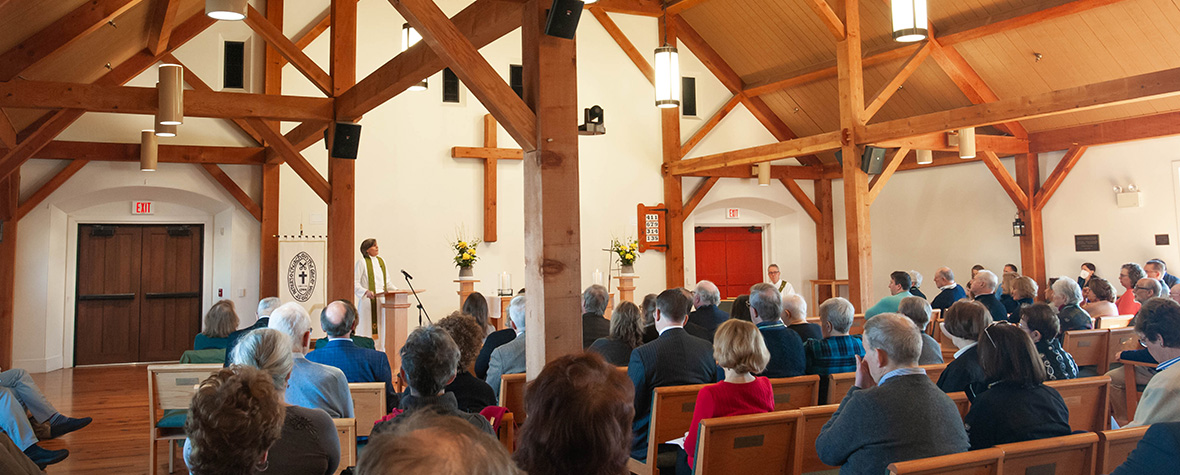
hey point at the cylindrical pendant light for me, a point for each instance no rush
(147, 151)
(171, 91)
(909, 20)
(226, 9)
(967, 142)
(410, 37)
(764, 174)
(925, 157)
(667, 77)
(161, 129)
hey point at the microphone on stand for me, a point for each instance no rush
(421, 309)
(407, 274)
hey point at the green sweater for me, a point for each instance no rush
(887, 305)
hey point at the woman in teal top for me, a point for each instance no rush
(220, 321)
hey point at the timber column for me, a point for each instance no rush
(552, 221)
(1032, 244)
(856, 182)
(9, 195)
(342, 172)
(268, 265)
(825, 239)
(673, 197)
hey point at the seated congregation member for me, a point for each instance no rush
(1066, 297)
(19, 393)
(312, 385)
(739, 349)
(1157, 452)
(918, 310)
(674, 359)
(795, 314)
(899, 285)
(1147, 289)
(220, 321)
(649, 318)
(1156, 269)
(1006, 297)
(1011, 268)
(595, 438)
(472, 393)
(426, 443)
(13, 461)
(497, 339)
(837, 351)
(1088, 270)
(360, 365)
(893, 413)
(510, 357)
(1024, 290)
(429, 361)
(1129, 276)
(308, 444)
(594, 325)
(741, 308)
(949, 292)
(476, 305)
(1174, 293)
(786, 348)
(962, 323)
(984, 286)
(705, 298)
(265, 306)
(234, 419)
(1158, 326)
(626, 334)
(1014, 405)
(1100, 295)
(1041, 323)
(915, 283)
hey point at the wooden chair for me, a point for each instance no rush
(512, 387)
(671, 416)
(1120, 321)
(961, 402)
(346, 430)
(507, 432)
(838, 386)
(171, 388)
(814, 418)
(1088, 347)
(368, 405)
(1071, 454)
(1088, 400)
(754, 443)
(793, 393)
(1119, 340)
(1132, 389)
(1115, 445)
(935, 318)
(858, 325)
(976, 462)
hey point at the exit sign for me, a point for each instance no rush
(142, 207)
(731, 213)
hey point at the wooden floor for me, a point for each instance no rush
(117, 441)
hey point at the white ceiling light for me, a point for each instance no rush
(909, 20)
(171, 94)
(925, 157)
(147, 151)
(233, 10)
(967, 142)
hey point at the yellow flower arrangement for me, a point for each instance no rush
(465, 251)
(627, 249)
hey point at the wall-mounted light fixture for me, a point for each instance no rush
(148, 152)
(1127, 196)
(909, 20)
(1017, 227)
(171, 94)
(226, 9)
(410, 37)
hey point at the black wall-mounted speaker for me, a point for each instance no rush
(563, 18)
(342, 140)
(872, 160)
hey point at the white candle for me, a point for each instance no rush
(597, 277)
(505, 280)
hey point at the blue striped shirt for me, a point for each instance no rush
(1166, 364)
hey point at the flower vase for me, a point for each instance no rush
(466, 273)
(627, 269)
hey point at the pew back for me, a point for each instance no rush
(814, 418)
(754, 443)
(793, 393)
(368, 405)
(976, 462)
(1071, 454)
(1088, 400)
(346, 430)
(512, 388)
(1115, 445)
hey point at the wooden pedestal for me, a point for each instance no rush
(466, 287)
(627, 288)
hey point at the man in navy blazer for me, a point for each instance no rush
(265, 306)
(675, 358)
(705, 298)
(360, 365)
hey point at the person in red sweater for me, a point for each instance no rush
(739, 349)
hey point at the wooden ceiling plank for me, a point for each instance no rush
(804, 201)
(60, 34)
(652, 8)
(827, 69)
(7, 130)
(162, 22)
(969, 82)
(472, 68)
(791, 148)
(1058, 176)
(698, 195)
(625, 44)
(1124, 130)
(197, 84)
(1131, 89)
(907, 69)
(275, 38)
(706, 54)
(708, 126)
(878, 182)
(481, 22)
(298, 164)
(1006, 181)
(49, 187)
(828, 17)
(1018, 18)
(234, 190)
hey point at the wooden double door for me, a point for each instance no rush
(138, 292)
(730, 257)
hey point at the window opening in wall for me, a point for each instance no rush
(688, 96)
(234, 67)
(516, 78)
(450, 86)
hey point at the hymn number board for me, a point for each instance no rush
(652, 227)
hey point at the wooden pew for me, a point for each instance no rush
(1071, 454)
(1088, 400)
(368, 405)
(1088, 347)
(1119, 340)
(793, 393)
(934, 371)
(507, 432)
(1115, 445)
(961, 402)
(1120, 321)
(346, 431)
(814, 418)
(935, 319)
(754, 443)
(858, 325)
(512, 387)
(171, 386)
(838, 386)
(976, 462)
(671, 416)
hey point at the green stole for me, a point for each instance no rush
(373, 289)
(780, 286)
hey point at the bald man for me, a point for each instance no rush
(360, 365)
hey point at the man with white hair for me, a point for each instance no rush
(1148, 288)
(785, 346)
(795, 314)
(983, 287)
(877, 423)
(705, 298)
(949, 291)
(265, 307)
(510, 357)
(595, 299)
(311, 385)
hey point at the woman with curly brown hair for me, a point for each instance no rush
(472, 393)
(235, 417)
(580, 414)
(1100, 295)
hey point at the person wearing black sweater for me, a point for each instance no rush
(963, 322)
(949, 291)
(983, 287)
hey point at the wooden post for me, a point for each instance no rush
(466, 287)
(856, 184)
(552, 226)
(9, 195)
(1032, 244)
(268, 263)
(825, 239)
(342, 172)
(627, 288)
(673, 198)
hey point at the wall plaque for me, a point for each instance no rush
(1085, 243)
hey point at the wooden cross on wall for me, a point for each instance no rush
(490, 155)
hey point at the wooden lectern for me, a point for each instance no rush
(397, 310)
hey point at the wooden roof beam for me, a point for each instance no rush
(234, 190)
(275, 38)
(970, 82)
(129, 152)
(1001, 144)
(55, 182)
(776, 171)
(827, 69)
(708, 126)
(801, 197)
(878, 182)
(197, 84)
(828, 17)
(162, 21)
(298, 164)
(698, 195)
(1058, 176)
(628, 48)
(675, 7)
(7, 131)
(60, 34)
(907, 69)
(809, 145)
(652, 8)
(1006, 181)
(1115, 131)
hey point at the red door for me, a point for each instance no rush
(730, 257)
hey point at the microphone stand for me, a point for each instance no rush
(421, 309)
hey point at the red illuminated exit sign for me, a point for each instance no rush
(142, 207)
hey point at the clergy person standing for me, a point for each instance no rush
(775, 279)
(371, 278)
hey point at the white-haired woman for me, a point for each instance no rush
(1067, 296)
